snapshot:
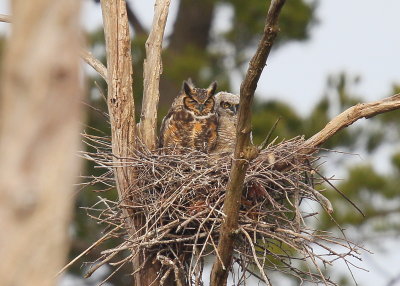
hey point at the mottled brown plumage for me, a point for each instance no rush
(191, 122)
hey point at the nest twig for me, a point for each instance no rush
(178, 205)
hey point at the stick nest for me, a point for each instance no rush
(178, 202)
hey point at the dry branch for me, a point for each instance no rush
(94, 63)
(244, 150)
(351, 115)
(152, 69)
(343, 120)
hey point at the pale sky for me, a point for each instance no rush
(360, 37)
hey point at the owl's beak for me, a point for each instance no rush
(201, 107)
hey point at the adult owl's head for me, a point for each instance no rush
(199, 100)
(226, 103)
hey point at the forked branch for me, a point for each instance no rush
(244, 150)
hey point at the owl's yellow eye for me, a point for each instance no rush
(189, 103)
(225, 105)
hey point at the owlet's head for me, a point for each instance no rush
(199, 100)
(226, 103)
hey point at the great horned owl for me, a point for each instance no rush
(191, 121)
(226, 105)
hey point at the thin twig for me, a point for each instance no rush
(342, 194)
(266, 280)
(96, 243)
(271, 130)
(94, 63)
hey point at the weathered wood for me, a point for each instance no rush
(40, 122)
(152, 69)
(123, 127)
(351, 115)
(343, 120)
(120, 100)
(244, 150)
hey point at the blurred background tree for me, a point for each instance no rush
(197, 49)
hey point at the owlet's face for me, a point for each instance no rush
(199, 100)
(229, 107)
(227, 104)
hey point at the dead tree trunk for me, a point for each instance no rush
(121, 106)
(122, 109)
(39, 137)
(244, 150)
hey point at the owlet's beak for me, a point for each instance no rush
(234, 108)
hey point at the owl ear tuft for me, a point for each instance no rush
(190, 82)
(212, 88)
(188, 86)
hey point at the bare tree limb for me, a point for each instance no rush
(351, 115)
(5, 18)
(94, 63)
(343, 120)
(244, 150)
(40, 122)
(152, 69)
